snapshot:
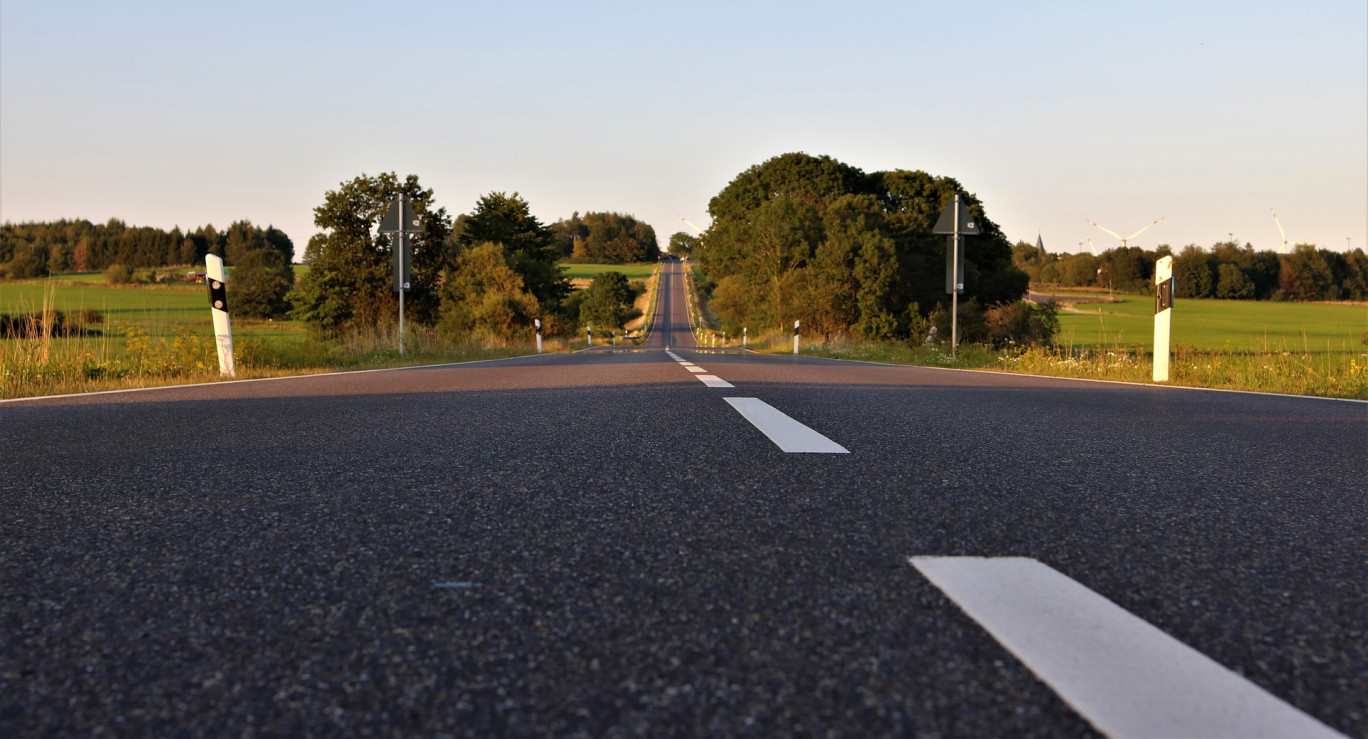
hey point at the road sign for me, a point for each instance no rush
(946, 223)
(401, 220)
(957, 223)
(400, 217)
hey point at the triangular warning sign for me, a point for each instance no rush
(946, 225)
(400, 217)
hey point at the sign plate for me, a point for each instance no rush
(400, 217)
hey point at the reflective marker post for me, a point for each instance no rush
(218, 306)
(744, 337)
(795, 337)
(1163, 316)
(538, 322)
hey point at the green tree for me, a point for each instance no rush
(682, 244)
(1193, 273)
(1305, 275)
(607, 302)
(606, 238)
(507, 220)
(351, 282)
(259, 284)
(1231, 283)
(484, 296)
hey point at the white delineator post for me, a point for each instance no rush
(745, 337)
(218, 305)
(1163, 316)
(795, 337)
(538, 322)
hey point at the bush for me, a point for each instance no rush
(1022, 323)
(118, 274)
(259, 284)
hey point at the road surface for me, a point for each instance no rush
(602, 543)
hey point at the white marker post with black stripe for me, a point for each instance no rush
(218, 306)
(538, 322)
(1163, 316)
(795, 336)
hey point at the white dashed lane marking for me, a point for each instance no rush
(786, 433)
(1126, 677)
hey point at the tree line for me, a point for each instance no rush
(485, 274)
(29, 250)
(605, 238)
(1226, 271)
(846, 252)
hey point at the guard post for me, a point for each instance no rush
(1163, 316)
(795, 336)
(218, 306)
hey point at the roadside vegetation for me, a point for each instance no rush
(849, 253)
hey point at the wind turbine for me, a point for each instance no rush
(696, 228)
(1281, 233)
(1124, 239)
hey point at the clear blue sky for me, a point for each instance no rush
(186, 113)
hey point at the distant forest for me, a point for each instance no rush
(39, 249)
(1227, 271)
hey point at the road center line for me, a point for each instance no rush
(788, 434)
(1126, 677)
(713, 381)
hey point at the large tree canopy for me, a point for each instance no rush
(351, 282)
(811, 238)
(507, 220)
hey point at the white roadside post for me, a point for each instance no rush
(1163, 316)
(538, 322)
(795, 337)
(744, 337)
(218, 305)
(724, 339)
(589, 334)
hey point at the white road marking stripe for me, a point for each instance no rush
(695, 370)
(1126, 677)
(785, 432)
(714, 381)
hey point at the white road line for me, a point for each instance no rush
(1126, 677)
(714, 381)
(695, 370)
(785, 432)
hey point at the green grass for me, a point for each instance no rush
(1231, 325)
(639, 271)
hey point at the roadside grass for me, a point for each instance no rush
(1294, 348)
(151, 335)
(1279, 370)
(1231, 325)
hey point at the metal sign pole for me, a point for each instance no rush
(401, 288)
(954, 272)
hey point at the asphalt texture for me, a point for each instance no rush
(597, 544)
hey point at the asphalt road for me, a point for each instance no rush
(599, 544)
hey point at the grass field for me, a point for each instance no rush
(1232, 325)
(578, 271)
